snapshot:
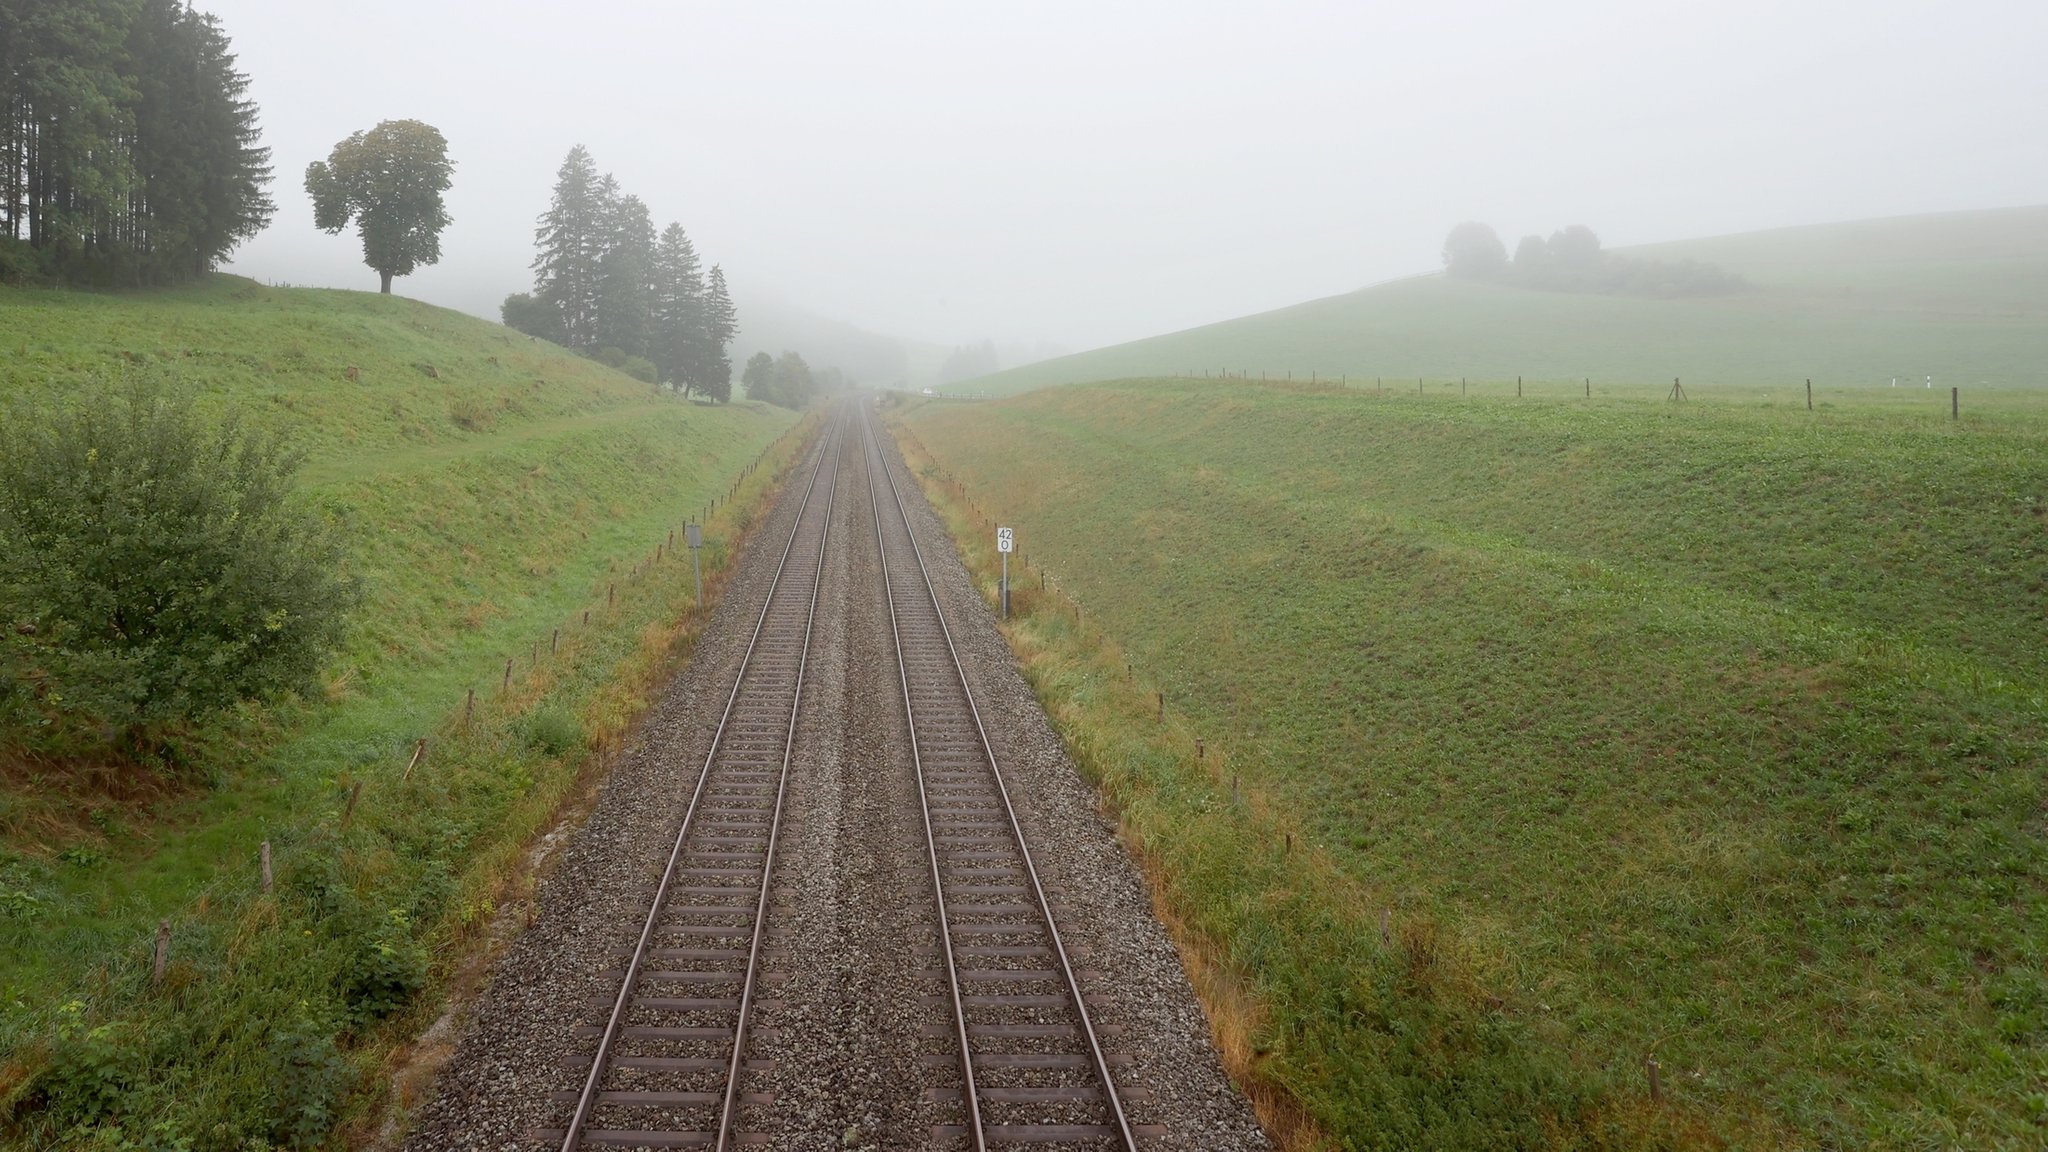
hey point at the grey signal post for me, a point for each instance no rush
(1005, 541)
(694, 537)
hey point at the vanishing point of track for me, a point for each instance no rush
(674, 1081)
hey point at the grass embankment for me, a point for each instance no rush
(494, 491)
(1962, 297)
(1708, 733)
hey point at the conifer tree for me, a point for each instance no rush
(129, 151)
(679, 330)
(625, 276)
(721, 324)
(606, 285)
(570, 242)
(66, 100)
(200, 170)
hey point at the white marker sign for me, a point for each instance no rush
(1004, 541)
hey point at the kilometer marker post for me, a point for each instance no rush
(1005, 542)
(693, 535)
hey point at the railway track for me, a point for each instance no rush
(670, 1061)
(670, 1065)
(1030, 1057)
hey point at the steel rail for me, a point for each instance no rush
(572, 1135)
(739, 1036)
(931, 844)
(1059, 949)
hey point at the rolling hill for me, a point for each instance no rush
(1961, 297)
(503, 500)
(1487, 750)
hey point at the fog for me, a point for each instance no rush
(1072, 174)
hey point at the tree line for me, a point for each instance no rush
(1571, 260)
(788, 381)
(607, 285)
(129, 150)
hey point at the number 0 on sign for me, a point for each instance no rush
(1005, 542)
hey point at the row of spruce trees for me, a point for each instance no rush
(129, 150)
(606, 285)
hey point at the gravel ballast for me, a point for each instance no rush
(847, 1003)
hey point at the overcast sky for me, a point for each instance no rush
(1085, 173)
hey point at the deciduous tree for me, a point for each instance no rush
(759, 376)
(389, 180)
(1473, 251)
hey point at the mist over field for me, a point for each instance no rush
(1494, 556)
(1061, 176)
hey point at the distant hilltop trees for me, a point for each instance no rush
(969, 361)
(129, 151)
(1573, 261)
(788, 382)
(606, 285)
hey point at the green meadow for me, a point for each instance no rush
(1710, 733)
(1960, 297)
(503, 501)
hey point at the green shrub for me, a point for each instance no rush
(91, 1070)
(23, 888)
(388, 968)
(308, 1082)
(154, 569)
(554, 731)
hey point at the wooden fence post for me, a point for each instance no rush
(163, 952)
(264, 854)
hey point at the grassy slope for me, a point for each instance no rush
(1961, 297)
(1709, 730)
(488, 504)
